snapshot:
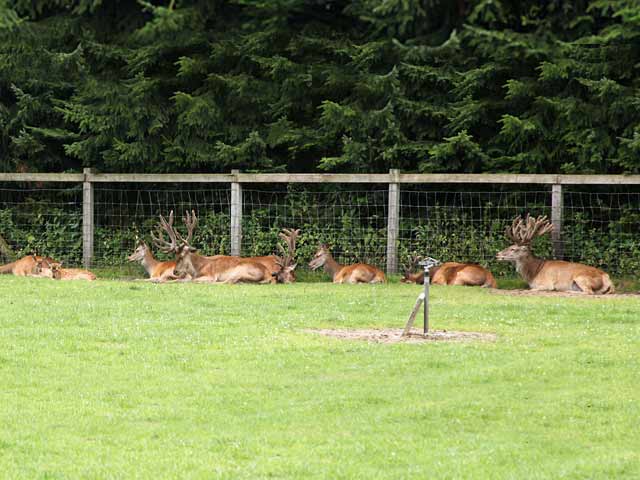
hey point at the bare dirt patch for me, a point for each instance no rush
(394, 335)
(544, 293)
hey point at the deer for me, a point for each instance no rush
(54, 270)
(25, 267)
(221, 268)
(253, 271)
(541, 274)
(158, 271)
(452, 273)
(355, 273)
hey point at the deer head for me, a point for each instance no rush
(285, 262)
(177, 244)
(51, 268)
(320, 257)
(521, 233)
(42, 267)
(409, 268)
(139, 253)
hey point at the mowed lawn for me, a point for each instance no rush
(133, 380)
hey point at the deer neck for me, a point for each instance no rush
(331, 266)
(148, 262)
(529, 267)
(199, 263)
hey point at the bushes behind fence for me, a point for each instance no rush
(447, 234)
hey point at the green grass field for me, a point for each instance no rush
(133, 380)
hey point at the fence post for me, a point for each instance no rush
(236, 215)
(393, 221)
(556, 220)
(87, 218)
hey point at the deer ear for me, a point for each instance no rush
(291, 268)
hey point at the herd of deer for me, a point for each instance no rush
(189, 266)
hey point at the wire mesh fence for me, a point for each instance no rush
(126, 214)
(352, 222)
(600, 225)
(467, 224)
(41, 219)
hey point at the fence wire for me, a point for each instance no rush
(601, 225)
(42, 219)
(465, 225)
(123, 216)
(352, 222)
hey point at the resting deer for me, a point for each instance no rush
(253, 271)
(54, 270)
(158, 271)
(356, 273)
(452, 273)
(549, 274)
(219, 268)
(25, 267)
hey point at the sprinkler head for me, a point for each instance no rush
(428, 262)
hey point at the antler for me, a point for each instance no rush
(167, 227)
(411, 263)
(190, 221)
(289, 235)
(523, 231)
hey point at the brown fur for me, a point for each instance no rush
(231, 269)
(157, 271)
(356, 273)
(54, 270)
(218, 268)
(556, 275)
(73, 274)
(25, 267)
(453, 273)
(549, 274)
(244, 270)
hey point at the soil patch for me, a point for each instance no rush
(394, 335)
(544, 293)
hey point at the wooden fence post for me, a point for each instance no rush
(236, 215)
(393, 221)
(556, 220)
(87, 219)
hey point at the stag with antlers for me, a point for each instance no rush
(222, 268)
(451, 273)
(543, 274)
(356, 273)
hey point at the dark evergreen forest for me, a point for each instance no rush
(320, 85)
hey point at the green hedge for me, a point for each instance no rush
(450, 235)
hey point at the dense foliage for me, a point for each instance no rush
(320, 85)
(448, 234)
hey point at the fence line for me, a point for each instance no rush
(393, 176)
(397, 235)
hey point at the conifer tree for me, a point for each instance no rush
(320, 85)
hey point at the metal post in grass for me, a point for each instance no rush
(393, 221)
(428, 263)
(87, 218)
(236, 215)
